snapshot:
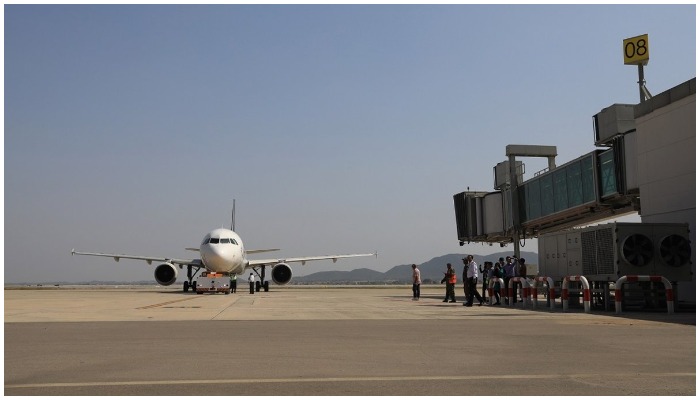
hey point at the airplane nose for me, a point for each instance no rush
(216, 258)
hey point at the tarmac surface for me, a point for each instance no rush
(312, 340)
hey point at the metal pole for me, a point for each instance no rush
(515, 209)
(640, 69)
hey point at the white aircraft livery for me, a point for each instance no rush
(222, 251)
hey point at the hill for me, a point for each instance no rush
(431, 271)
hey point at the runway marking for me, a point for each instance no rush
(164, 304)
(347, 379)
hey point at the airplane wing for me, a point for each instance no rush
(149, 260)
(303, 260)
(261, 251)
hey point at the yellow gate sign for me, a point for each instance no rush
(636, 50)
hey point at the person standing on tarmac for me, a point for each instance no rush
(522, 272)
(234, 280)
(416, 282)
(251, 281)
(465, 280)
(450, 280)
(486, 273)
(472, 275)
(509, 273)
(497, 272)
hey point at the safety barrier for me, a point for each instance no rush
(586, 292)
(638, 278)
(492, 298)
(526, 290)
(533, 291)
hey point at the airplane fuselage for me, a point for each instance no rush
(222, 251)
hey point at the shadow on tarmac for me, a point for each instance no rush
(683, 316)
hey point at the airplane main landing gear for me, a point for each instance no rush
(265, 285)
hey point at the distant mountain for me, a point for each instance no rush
(431, 271)
(356, 275)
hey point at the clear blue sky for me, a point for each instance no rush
(338, 129)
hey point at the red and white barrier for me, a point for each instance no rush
(586, 292)
(526, 290)
(492, 282)
(533, 291)
(639, 278)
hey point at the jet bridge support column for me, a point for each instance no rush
(513, 150)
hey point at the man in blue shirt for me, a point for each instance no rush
(509, 272)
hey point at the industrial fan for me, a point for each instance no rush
(637, 250)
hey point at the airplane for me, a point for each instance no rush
(222, 251)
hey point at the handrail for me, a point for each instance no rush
(526, 290)
(533, 290)
(586, 292)
(638, 278)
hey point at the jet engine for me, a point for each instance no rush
(281, 274)
(166, 274)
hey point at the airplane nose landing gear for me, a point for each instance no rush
(189, 283)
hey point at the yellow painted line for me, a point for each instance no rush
(164, 304)
(347, 379)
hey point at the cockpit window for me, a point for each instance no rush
(221, 241)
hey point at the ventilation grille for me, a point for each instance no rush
(588, 253)
(605, 251)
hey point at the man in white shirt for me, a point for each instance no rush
(251, 281)
(416, 282)
(472, 275)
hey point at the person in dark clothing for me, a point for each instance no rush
(449, 280)
(485, 275)
(234, 280)
(497, 273)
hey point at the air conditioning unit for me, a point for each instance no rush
(610, 251)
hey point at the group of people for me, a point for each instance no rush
(234, 283)
(505, 269)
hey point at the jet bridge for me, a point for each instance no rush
(597, 185)
(581, 191)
